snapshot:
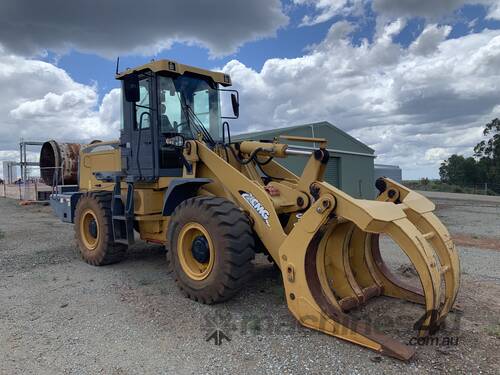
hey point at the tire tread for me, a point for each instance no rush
(235, 231)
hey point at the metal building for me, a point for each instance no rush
(392, 171)
(351, 164)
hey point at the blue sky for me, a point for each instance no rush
(414, 80)
(290, 41)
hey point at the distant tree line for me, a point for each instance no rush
(482, 168)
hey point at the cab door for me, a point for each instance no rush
(142, 148)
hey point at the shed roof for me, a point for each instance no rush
(326, 124)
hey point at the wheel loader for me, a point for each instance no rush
(176, 178)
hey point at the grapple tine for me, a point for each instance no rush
(416, 247)
(448, 257)
(371, 271)
(419, 211)
(392, 285)
(334, 258)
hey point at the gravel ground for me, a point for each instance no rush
(60, 315)
(439, 195)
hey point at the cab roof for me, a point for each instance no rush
(174, 67)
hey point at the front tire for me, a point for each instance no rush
(94, 231)
(211, 248)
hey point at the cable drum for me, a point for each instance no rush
(59, 163)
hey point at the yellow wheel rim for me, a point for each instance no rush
(89, 229)
(195, 262)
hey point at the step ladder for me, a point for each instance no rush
(123, 215)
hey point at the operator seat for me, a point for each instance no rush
(165, 125)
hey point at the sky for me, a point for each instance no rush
(416, 80)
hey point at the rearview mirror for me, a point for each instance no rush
(236, 105)
(131, 88)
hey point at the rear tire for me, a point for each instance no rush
(211, 248)
(94, 231)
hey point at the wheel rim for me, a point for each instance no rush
(89, 229)
(195, 251)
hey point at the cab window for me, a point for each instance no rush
(143, 107)
(201, 107)
(170, 107)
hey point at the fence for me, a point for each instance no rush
(32, 189)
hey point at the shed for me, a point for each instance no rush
(350, 167)
(392, 171)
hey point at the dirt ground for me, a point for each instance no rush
(59, 315)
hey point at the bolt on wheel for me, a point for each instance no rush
(94, 231)
(196, 251)
(89, 229)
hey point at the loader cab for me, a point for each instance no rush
(161, 109)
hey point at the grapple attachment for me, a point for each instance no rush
(342, 267)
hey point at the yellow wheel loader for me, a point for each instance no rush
(176, 178)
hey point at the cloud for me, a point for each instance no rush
(40, 101)
(327, 9)
(110, 109)
(111, 28)
(432, 36)
(68, 103)
(494, 11)
(412, 105)
(431, 9)
(435, 94)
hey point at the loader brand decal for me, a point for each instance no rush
(257, 206)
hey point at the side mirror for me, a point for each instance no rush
(236, 105)
(131, 88)
(235, 102)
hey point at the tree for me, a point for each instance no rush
(453, 170)
(484, 167)
(488, 152)
(490, 149)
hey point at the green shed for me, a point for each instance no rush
(351, 165)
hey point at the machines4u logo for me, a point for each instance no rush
(257, 206)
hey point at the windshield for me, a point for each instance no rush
(184, 91)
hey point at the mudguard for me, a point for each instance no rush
(179, 190)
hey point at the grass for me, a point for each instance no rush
(494, 331)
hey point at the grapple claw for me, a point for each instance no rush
(342, 267)
(419, 211)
